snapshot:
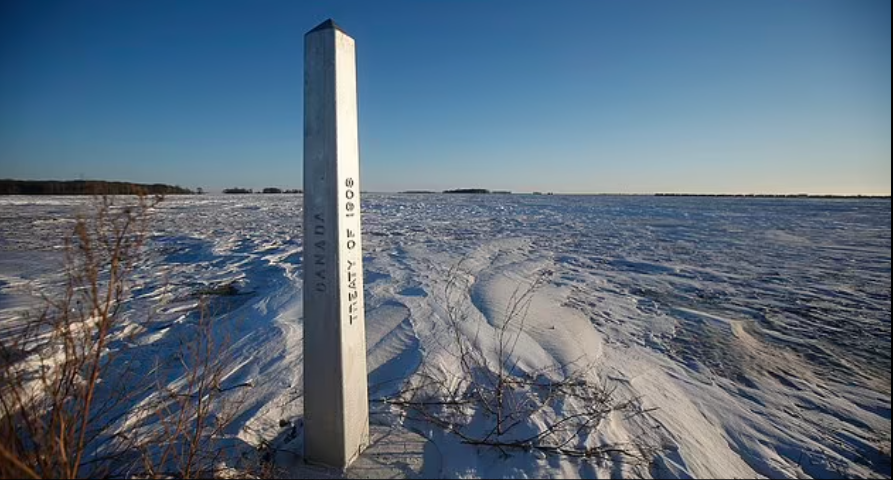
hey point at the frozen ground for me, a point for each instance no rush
(757, 330)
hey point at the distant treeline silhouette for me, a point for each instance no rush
(468, 190)
(279, 190)
(240, 190)
(765, 195)
(86, 187)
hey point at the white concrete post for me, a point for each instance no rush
(336, 407)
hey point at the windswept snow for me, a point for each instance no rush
(756, 332)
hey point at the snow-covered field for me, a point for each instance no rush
(755, 331)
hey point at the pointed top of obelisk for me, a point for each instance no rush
(327, 25)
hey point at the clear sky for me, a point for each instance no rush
(640, 96)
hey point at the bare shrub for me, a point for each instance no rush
(491, 401)
(178, 429)
(72, 407)
(52, 368)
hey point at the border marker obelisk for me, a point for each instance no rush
(336, 408)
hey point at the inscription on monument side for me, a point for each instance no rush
(351, 235)
(319, 253)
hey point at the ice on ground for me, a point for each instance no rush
(755, 332)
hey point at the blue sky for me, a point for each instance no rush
(639, 96)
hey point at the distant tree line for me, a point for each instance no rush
(468, 190)
(86, 187)
(765, 195)
(460, 190)
(265, 190)
(280, 190)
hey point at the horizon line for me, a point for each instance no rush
(219, 189)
